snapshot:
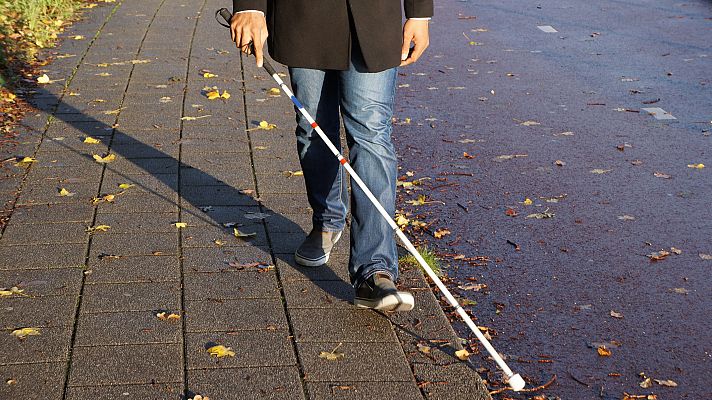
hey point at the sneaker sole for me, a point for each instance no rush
(402, 301)
(309, 262)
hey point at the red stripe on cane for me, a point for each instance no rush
(343, 161)
(314, 125)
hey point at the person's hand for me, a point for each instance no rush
(249, 28)
(415, 31)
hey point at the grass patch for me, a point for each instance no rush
(26, 26)
(428, 255)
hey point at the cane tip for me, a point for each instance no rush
(516, 382)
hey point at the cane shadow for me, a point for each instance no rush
(195, 204)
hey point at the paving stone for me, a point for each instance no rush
(459, 382)
(206, 236)
(336, 269)
(143, 392)
(22, 312)
(425, 321)
(44, 282)
(131, 297)
(40, 381)
(234, 315)
(134, 244)
(126, 328)
(318, 294)
(231, 285)
(252, 349)
(127, 364)
(361, 362)
(291, 223)
(407, 390)
(139, 222)
(272, 383)
(133, 269)
(51, 345)
(60, 128)
(137, 149)
(142, 166)
(52, 213)
(205, 259)
(58, 174)
(280, 184)
(349, 325)
(42, 256)
(164, 185)
(215, 175)
(218, 215)
(68, 232)
(292, 203)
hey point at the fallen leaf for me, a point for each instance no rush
(616, 315)
(165, 316)
(646, 383)
(126, 185)
(98, 228)
(23, 333)
(180, 224)
(603, 351)
(560, 163)
(675, 250)
(508, 157)
(13, 290)
(25, 162)
(529, 123)
(658, 255)
(213, 94)
(423, 348)
(221, 351)
(105, 159)
(418, 202)
(195, 118)
(626, 217)
(209, 75)
(65, 193)
(542, 215)
(600, 171)
(696, 166)
(290, 174)
(705, 256)
(680, 290)
(91, 140)
(274, 92)
(462, 354)
(511, 212)
(661, 175)
(467, 155)
(103, 74)
(239, 234)
(332, 355)
(401, 220)
(441, 232)
(666, 382)
(473, 286)
(78, 37)
(527, 202)
(266, 125)
(43, 79)
(225, 95)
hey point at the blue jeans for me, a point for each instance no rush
(365, 102)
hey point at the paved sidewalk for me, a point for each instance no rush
(134, 83)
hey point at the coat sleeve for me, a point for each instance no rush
(415, 8)
(241, 5)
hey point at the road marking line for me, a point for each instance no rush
(547, 28)
(658, 113)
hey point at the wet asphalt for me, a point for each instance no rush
(565, 111)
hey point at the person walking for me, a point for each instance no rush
(342, 57)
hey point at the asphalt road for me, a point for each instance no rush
(493, 84)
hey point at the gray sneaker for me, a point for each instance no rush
(379, 293)
(315, 249)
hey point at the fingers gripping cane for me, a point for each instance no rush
(515, 380)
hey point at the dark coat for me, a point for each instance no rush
(318, 33)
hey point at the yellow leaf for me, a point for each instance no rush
(274, 91)
(26, 161)
(221, 351)
(13, 290)
(289, 174)
(164, 316)
(91, 140)
(64, 192)
(98, 228)
(441, 232)
(266, 125)
(423, 348)
(527, 202)
(102, 65)
(239, 234)
(103, 74)
(78, 37)
(462, 354)
(209, 75)
(126, 185)
(332, 355)
(696, 166)
(180, 224)
(401, 220)
(419, 202)
(25, 332)
(213, 94)
(225, 95)
(43, 79)
(603, 351)
(106, 159)
(600, 171)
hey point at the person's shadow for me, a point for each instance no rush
(202, 196)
